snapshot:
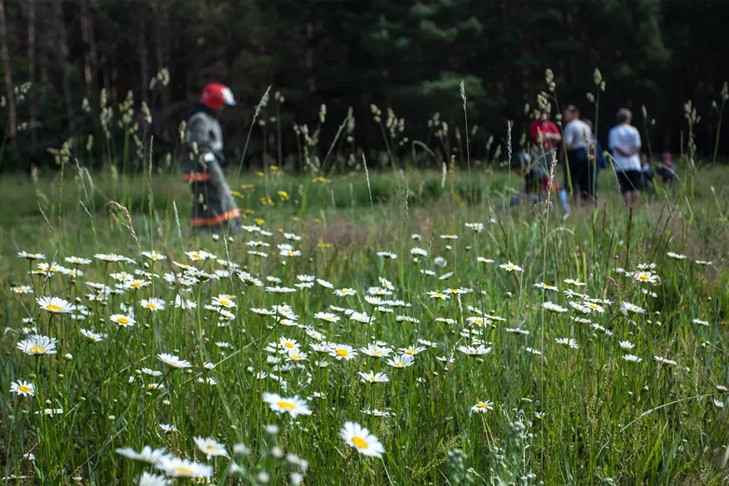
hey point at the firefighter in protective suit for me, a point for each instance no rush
(213, 206)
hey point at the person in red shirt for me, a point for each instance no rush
(545, 137)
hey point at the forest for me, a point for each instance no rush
(78, 72)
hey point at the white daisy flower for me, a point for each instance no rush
(626, 307)
(168, 428)
(568, 342)
(294, 406)
(147, 454)
(373, 377)
(173, 361)
(376, 351)
(552, 307)
(646, 277)
(93, 336)
(210, 447)
(360, 438)
(479, 350)
(37, 344)
(23, 388)
(122, 320)
(55, 305)
(149, 479)
(626, 345)
(401, 361)
(327, 316)
(482, 407)
(223, 300)
(31, 256)
(663, 360)
(154, 304)
(543, 286)
(182, 468)
(342, 351)
(511, 267)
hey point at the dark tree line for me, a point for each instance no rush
(64, 61)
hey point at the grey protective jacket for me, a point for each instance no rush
(213, 205)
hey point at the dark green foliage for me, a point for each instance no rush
(406, 55)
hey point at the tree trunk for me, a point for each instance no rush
(32, 101)
(9, 95)
(142, 51)
(62, 55)
(161, 31)
(91, 57)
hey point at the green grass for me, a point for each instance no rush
(565, 416)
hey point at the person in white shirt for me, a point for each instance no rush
(624, 143)
(581, 172)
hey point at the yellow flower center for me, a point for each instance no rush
(342, 352)
(399, 364)
(123, 321)
(377, 353)
(184, 470)
(295, 357)
(136, 284)
(371, 378)
(480, 405)
(54, 308)
(151, 305)
(360, 442)
(196, 255)
(24, 389)
(644, 277)
(286, 405)
(411, 352)
(289, 345)
(38, 349)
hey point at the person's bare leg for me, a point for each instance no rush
(636, 198)
(631, 198)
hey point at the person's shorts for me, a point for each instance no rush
(629, 180)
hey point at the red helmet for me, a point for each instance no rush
(214, 95)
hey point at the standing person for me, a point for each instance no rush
(545, 137)
(581, 172)
(213, 206)
(624, 143)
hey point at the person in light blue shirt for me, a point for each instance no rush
(624, 143)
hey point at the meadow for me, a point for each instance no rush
(476, 343)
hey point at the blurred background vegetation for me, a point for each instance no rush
(69, 68)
